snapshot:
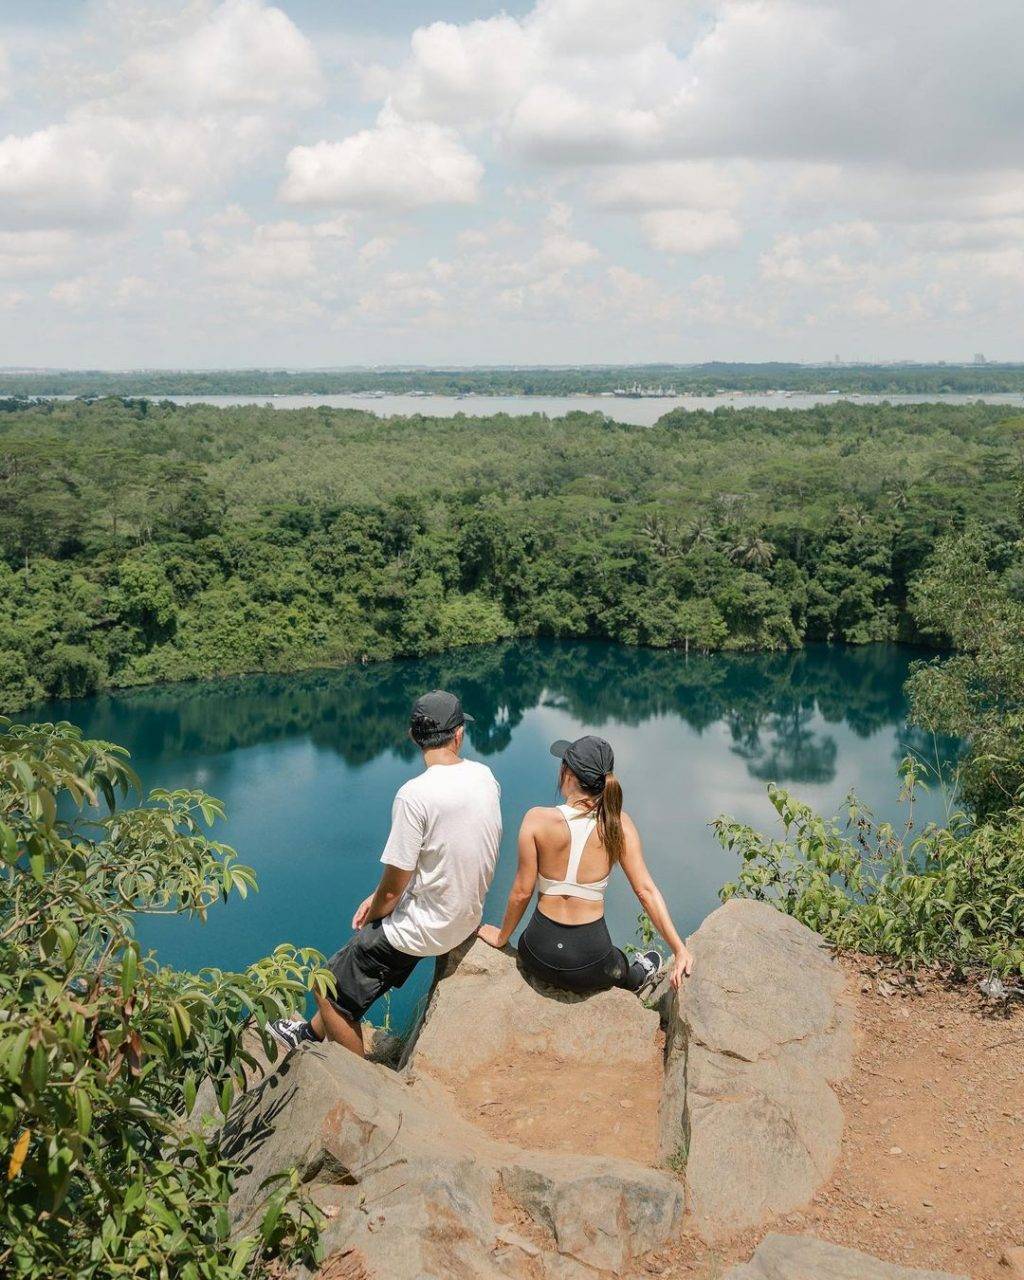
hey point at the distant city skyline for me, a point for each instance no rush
(312, 184)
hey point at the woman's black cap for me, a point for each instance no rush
(589, 758)
(438, 712)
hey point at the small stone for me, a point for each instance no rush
(1012, 1258)
(627, 1106)
(895, 1151)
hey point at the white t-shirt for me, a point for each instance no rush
(446, 830)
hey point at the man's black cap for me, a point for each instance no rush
(438, 712)
(589, 758)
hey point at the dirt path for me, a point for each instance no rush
(932, 1169)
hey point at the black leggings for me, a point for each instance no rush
(576, 957)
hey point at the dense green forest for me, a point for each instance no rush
(948, 896)
(697, 379)
(145, 542)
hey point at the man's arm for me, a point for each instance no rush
(382, 901)
(400, 856)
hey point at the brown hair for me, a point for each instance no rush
(606, 805)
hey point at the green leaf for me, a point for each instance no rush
(129, 969)
(83, 1112)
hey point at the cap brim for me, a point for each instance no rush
(468, 718)
(559, 748)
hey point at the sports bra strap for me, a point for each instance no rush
(581, 826)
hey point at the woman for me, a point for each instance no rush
(567, 854)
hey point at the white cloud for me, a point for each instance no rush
(395, 165)
(460, 74)
(72, 292)
(692, 184)
(557, 124)
(690, 231)
(865, 156)
(839, 254)
(55, 177)
(176, 116)
(594, 80)
(376, 248)
(5, 74)
(33, 253)
(242, 54)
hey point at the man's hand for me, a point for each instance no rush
(682, 967)
(491, 934)
(362, 911)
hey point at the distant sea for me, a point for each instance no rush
(641, 412)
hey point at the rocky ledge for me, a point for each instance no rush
(748, 1125)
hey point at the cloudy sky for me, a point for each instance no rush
(236, 182)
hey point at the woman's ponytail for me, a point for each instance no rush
(609, 816)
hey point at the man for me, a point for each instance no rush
(438, 865)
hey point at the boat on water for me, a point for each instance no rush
(637, 392)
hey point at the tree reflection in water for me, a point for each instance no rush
(768, 702)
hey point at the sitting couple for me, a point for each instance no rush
(439, 862)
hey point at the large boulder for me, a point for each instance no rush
(805, 1258)
(601, 1212)
(414, 1190)
(754, 1043)
(482, 1007)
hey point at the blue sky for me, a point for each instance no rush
(234, 182)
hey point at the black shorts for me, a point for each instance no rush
(365, 968)
(575, 957)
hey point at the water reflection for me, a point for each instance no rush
(771, 703)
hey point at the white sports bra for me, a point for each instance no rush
(580, 827)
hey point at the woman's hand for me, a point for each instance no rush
(682, 967)
(491, 934)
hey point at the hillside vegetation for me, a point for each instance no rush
(143, 542)
(694, 379)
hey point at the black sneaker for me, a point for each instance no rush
(291, 1032)
(653, 962)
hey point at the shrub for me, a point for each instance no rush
(102, 1049)
(952, 896)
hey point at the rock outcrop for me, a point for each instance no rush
(415, 1188)
(805, 1258)
(416, 1191)
(482, 1007)
(755, 1041)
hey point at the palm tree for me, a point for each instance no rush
(753, 552)
(701, 532)
(658, 535)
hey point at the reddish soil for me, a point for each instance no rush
(550, 1104)
(932, 1168)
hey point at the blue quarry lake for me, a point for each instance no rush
(307, 766)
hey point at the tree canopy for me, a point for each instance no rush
(142, 542)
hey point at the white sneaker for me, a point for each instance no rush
(290, 1032)
(654, 964)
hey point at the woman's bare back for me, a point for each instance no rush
(552, 840)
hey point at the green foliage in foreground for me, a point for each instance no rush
(142, 543)
(952, 896)
(102, 1050)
